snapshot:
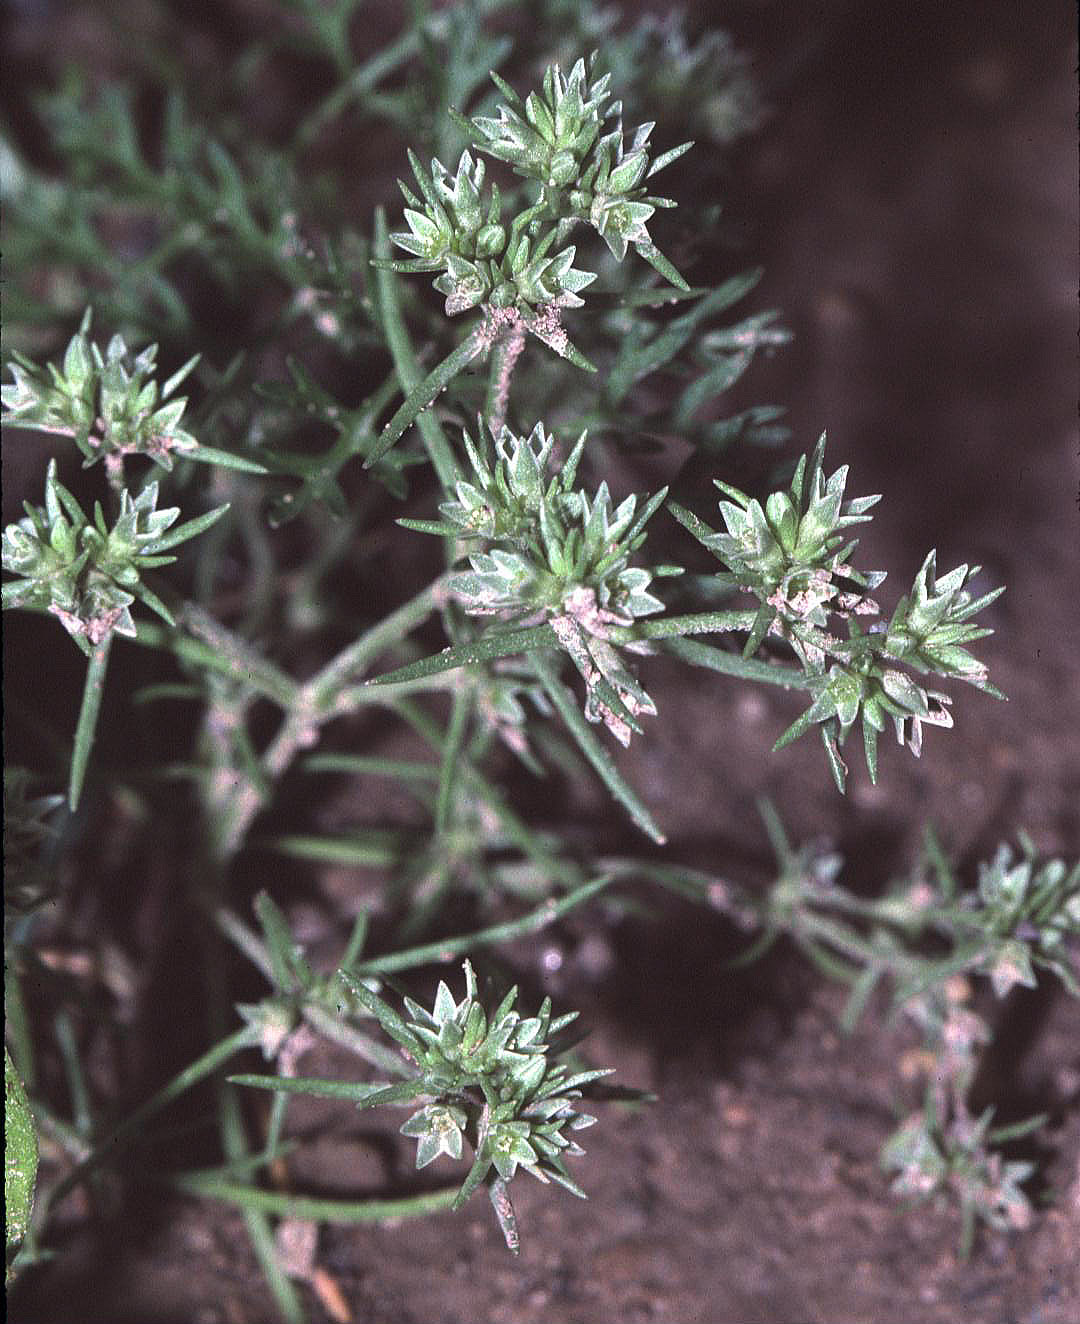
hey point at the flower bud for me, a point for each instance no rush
(490, 241)
(563, 167)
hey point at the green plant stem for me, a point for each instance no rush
(376, 850)
(360, 82)
(66, 1042)
(333, 1027)
(149, 634)
(734, 664)
(547, 673)
(107, 1148)
(504, 356)
(17, 1025)
(234, 1142)
(516, 830)
(494, 644)
(448, 948)
(667, 627)
(231, 1129)
(316, 701)
(311, 1207)
(347, 666)
(93, 690)
(243, 662)
(460, 710)
(419, 391)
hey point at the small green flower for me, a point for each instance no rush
(791, 554)
(555, 138)
(549, 135)
(438, 1129)
(522, 275)
(1025, 912)
(939, 1161)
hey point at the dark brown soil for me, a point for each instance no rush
(914, 202)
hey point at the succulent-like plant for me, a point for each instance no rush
(534, 567)
(791, 554)
(487, 1077)
(85, 573)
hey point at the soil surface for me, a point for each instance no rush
(913, 198)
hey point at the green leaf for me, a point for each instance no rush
(425, 392)
(494, 644)
(591, 747)
(20, 1161)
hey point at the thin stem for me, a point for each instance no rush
(230, 1119)
(362, 80)
(333, 1027)
(18, 1026)
(310, 1207)
(419, 391)
(504, 355)
(448, 948)
(114, 472)
(323, 697)
(668, 627)
(351, 661)
(548, 675)
(234, 1142)
(515, 829)
(262, 676)
(88, 716)
(107, 1148)
(82, 1114)
(734, 664)
(240, 659)
(460, 711)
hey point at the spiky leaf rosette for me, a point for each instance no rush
(84, 573)
(109, 403)
(455, 229)
(791, 553)
(488, 1077)
(1024, 915)
(522, 276)
(553, 553)
(554, 137)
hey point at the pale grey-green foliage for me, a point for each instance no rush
(486, 1075)
(87, 573)
(929, 938)
(791, 553)
(539, 567)
(584, 176)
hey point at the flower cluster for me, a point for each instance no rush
(108, 403)
(1022, 916)
(939, 1161)
(453, 230)
(554, 137)
(929, 626)
(488, 1078)
(84, 573)
(791, 553)
(525, 275)
(553, 553)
